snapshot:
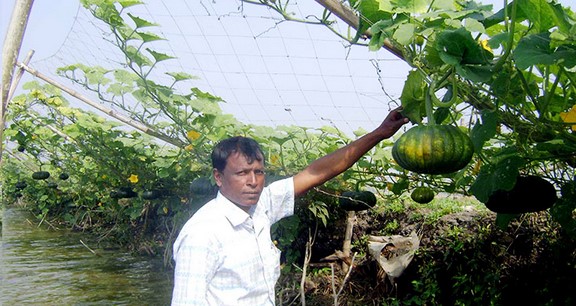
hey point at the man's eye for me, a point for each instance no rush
(259, 172)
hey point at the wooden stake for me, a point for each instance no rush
(10, 51)
(347, 245)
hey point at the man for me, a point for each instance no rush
(224, 254)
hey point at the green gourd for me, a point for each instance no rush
(151, 194)
(530, 194)
(422, 195)
(40, 175)
(433, 149)
(202, 186)
(123, 193)
(20, 185)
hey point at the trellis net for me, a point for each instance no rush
(267, 70)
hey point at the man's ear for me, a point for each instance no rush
(217, 177)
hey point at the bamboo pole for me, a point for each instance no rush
(341, 11)
(18, 76)
(52, 128)
(24, 162)
(10, 51)
(133, 123)
(349, 17)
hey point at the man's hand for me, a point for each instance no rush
(391, 123)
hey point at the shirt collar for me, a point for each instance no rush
(233, 213)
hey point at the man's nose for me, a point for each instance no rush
(251, 180)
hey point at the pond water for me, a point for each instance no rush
(40, 266)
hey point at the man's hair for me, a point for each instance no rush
(243, 145)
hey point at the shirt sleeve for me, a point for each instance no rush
(196, 256)
(280, 200)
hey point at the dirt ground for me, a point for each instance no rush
(463, 259)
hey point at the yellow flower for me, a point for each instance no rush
(274, 159)
(189, 147)
(133, 178)
(485, 46)
(570, 117)
(192, 135)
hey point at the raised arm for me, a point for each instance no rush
(331, 165)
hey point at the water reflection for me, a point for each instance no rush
(52, 267)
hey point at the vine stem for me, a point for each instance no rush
(428, 105)
(511, 29)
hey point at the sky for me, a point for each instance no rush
(48, 24)
(51, 21)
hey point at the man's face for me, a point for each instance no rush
(241, 182)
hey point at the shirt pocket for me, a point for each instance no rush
(275, 259)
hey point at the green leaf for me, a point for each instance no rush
(126, 33)
(118, 89)
(141, 23)
(432, 56)
(441, 114)
(380, 31)
(135, 56)
(500, 175)
(376, 41)
(129, 3)
(370, 13)
(205, 95)
(566, 56)
(557, 147)
(124, 76)
(405, 6)
(399, 187)
(159, 56)
(536, 50)
(475, 73)
(19, 137)
(96, 75)
(457, 47)
(181, 76)
(484, 130)
(404, 34)
(413, 96)
(562, 211)
(148, 37)
(474, 26)
(540, 14)
(533, 50)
